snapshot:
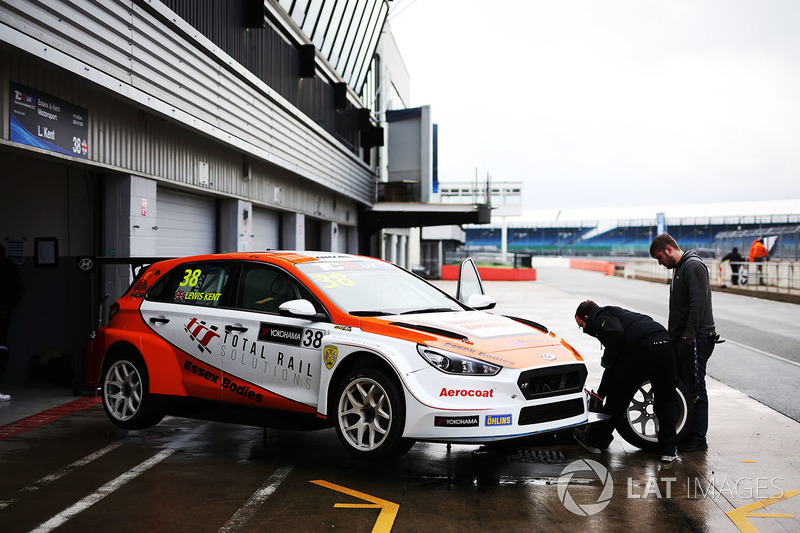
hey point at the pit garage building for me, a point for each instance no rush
(136, 129)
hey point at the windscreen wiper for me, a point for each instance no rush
(370, 313)
(429, 310)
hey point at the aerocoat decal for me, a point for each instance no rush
(471, 393)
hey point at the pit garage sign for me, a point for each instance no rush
(44, 121)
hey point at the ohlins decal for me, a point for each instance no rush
(202, 334)
(498, 420)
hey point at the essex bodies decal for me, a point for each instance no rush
(280, 358)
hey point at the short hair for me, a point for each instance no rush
(585, 308)
(661, 242)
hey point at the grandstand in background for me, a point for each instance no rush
(712, 229)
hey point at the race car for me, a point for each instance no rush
(308, 340)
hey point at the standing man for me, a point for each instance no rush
(636, 349)
(736, 260)
(759, 254)
(10, 294)
(691, 327)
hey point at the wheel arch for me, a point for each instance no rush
(120, 348)
(358, 359)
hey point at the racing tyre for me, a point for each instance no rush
(126, 399)
(639, 427)
(370, 415)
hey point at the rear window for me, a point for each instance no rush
(197, 284)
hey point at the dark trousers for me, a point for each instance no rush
(5, 322)
(696, 381)
(655, 363)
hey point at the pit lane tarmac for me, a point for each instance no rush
(79, 473)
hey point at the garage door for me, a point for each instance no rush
(266, 230)
(187, 224)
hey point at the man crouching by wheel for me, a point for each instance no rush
(636, 349)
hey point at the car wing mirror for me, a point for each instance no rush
(298, 308)
(481, 301)
(469, 281)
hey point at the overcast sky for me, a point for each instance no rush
(611, 102)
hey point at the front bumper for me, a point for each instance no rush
(506, 406)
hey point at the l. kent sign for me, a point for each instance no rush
(43, 121)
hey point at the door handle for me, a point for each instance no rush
(235, 327)
(161, 319)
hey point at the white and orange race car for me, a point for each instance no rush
(308, 340)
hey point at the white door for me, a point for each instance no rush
(187, 224)
(266, 230)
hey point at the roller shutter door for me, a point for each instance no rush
(187, 224)
(266, 230)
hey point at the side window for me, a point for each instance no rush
(264, 288)
(197, 284)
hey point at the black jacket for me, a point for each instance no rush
(690, 313)
(622, 331)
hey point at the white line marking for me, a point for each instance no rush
(61, 472)
(256, 501)
(762, 352)
(101, 493)
(6, 503)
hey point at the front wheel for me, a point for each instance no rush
(370, 415)
(126, 398)
(639, 426)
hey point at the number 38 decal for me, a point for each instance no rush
(312, 338)
(331, 281)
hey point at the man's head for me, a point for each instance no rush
(582, 313)
(735, 250)
(665, 250)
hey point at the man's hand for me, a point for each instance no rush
(688, 341)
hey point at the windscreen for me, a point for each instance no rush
(371, 288)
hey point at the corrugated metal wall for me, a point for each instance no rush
(141, 52)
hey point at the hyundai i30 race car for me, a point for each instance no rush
(314, 339)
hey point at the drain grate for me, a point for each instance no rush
(536, 456)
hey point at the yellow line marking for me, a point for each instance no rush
(748, 461)
(388, 509)
(740, 516)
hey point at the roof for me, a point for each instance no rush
(777, 211)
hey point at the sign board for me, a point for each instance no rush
(44, 121)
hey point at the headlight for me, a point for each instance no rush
(451, 363)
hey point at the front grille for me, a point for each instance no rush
(552, 381)
(537, 414)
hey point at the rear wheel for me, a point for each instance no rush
(370, 415)
(126, 398)
(639, 427)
